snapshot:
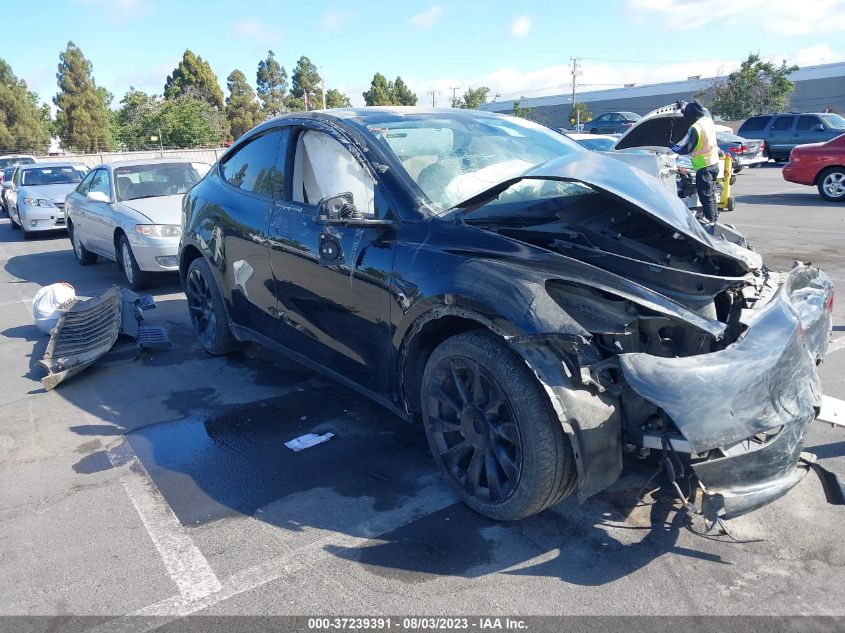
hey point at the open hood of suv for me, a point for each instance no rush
(656, 130)
(635, 187)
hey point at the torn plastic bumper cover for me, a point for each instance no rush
(105, 327)
(745, 410)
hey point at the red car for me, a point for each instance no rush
(819, 164)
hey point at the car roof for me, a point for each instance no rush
(49, 165)
(149, 161)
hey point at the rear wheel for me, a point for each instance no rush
(492, 431)
(135, 277)
(83, 255)
(205, 305)
(831, 184)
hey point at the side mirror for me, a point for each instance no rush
(818, 127)
(339, 210)
(97, 196)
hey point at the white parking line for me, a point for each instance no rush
(433, 496)
(836, 345)
(184, 562)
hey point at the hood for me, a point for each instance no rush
(159, 210)
(54, 193)
(656, 130)
(627, 183)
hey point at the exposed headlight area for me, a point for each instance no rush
(38, 202)
(158, 230)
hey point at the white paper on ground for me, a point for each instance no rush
(832, 411)
(307, 441)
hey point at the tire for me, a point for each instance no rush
(83, 255)
(135, 277)
(15, 225)
(515, 460)
(831, 184)
(205, 306)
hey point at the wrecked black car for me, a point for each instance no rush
(539, 308)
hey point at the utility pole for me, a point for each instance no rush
(576, 71)
(433, 94)
(454, 89)
(323, 85)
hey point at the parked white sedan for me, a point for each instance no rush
(130, 212)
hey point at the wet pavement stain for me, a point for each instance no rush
(221, 461)
(93, 463)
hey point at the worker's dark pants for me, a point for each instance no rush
(705, 183)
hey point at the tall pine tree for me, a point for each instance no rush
(194, 77)
(305, 85)
(271, 81)
(82, 119)
(242, 110)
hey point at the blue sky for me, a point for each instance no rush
(514, 48)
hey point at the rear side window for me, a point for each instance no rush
(754, 124)
(807, 122)
(783, 123)
(255, 166)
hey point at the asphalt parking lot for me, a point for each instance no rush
(163, 487)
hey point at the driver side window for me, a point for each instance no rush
(323, 167)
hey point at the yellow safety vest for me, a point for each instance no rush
(706, 150)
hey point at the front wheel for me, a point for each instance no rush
(205, 305)
(135, 277)
(83, 255)
(492, 430)
(832, 184)
(13, 222)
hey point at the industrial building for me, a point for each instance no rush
(817, 88)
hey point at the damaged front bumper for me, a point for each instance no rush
(744, 410)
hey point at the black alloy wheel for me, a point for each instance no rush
(474, 431)
(205, 306)
(492, 429)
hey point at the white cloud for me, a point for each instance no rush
(818, 54)
(255, 30)
(429, 18)
(778, 16)
(335, 19)
(521, 26)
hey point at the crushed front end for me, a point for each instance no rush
(741, 412)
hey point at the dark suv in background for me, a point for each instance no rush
(781, 132)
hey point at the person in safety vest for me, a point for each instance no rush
(700, 143)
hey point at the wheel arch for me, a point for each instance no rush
(189, 254)
(824, 170)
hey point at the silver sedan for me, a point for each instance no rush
(130, 212)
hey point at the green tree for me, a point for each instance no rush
(305, 85)
(379, 93)
(401, 94)
(272, 84)
(193, 76)
(336, 99)
(756, 87)
(579, 113)
(83, 117)
(242, 110)
(24, 126)
(135, 119)
(473, 98)
(383, 92)
(519, 111)
(188, 121)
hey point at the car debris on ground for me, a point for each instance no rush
(106, 328)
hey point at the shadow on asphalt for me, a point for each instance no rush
(809, 199)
